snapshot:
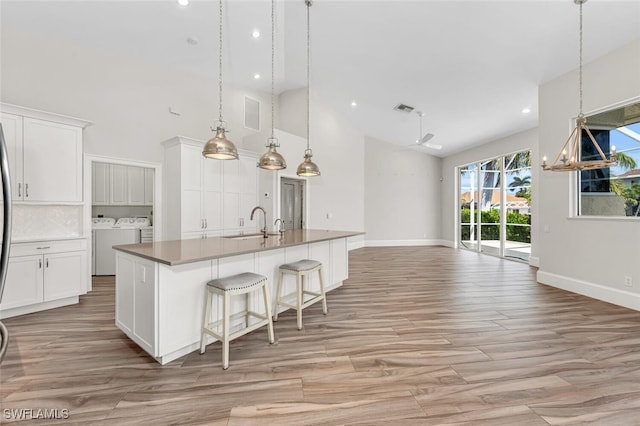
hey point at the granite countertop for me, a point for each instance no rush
(180, 252)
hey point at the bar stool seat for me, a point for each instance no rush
(301, 270)
(239, 284)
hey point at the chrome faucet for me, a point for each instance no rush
(280, 229)
(264, 217)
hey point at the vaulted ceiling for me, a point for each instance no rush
(470, 66)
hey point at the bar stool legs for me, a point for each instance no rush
(301, 270)
(226, 287)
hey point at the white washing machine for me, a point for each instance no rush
(108, 233)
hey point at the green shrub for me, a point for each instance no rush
(492, 232)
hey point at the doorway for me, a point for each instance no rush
(292, 196)
(494, 198)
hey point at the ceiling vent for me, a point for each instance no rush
(403, 108)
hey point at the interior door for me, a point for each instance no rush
(291, 202)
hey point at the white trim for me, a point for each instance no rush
(37, 307)
(596, 291)
(44, 115)
(89, 159)
(404, 243)
(534, 261)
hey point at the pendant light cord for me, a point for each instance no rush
(273, 67)
(308, 3)
(580, 68)
(220, 68)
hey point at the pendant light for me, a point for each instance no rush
(272, 160)
(308, 167)
(219, 147)
(569, 157)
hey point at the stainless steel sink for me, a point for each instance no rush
(245, 236)
(250, 236)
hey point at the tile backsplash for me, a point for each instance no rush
(33, 222)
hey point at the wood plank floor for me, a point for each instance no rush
(417, 335)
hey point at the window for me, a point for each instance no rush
(614, 191)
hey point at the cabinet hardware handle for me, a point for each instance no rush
(43, 248)
(26, 190)
(47, 263)
(19, 190)
(39, 263)
(206, 224)
(201, 223)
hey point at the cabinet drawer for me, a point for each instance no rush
(45, 247)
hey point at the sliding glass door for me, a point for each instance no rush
(495, 212)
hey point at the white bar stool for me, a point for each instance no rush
(244, 283)
(301, 269)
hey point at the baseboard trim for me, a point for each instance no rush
(403, 243)
(615, 296)
(534, 261)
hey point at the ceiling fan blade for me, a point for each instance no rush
(432, 145)
(426, 138)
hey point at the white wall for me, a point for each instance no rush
(128, 101)
(402, 195)
(337, 195)
(586, 255)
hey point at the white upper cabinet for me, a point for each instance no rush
(208, 197)
(135, 190)
(100, 183)
(45, 155)
(121, 185)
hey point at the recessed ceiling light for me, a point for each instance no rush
(256, 76)
(192, 41)
(183, 2)
(354, 103)
(526, 110)
(255, 34)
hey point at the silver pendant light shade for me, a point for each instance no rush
(272, 160)
(307, 167)
(219, 147)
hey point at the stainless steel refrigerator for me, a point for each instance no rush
(6, 233)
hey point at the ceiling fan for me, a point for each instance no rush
(423, 140)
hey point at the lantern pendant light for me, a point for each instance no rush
(308, 167)
(272, 160)
(571, 160)
(219, 147)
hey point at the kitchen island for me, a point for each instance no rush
(160, 285)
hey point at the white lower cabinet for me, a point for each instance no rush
(135, 288)
(44, 275)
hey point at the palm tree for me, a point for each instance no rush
(519, 182)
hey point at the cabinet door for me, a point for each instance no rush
(64, 274)
(144, 320)
(149, 176)
(212, 194)
(12, 129)
(118, 184)
(191, 217)
(100, 184)
(135, 186)
(24, 282)
(52, 161)
(246, 203)
(231, 215)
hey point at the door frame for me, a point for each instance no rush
(305, 201)
(89, 159)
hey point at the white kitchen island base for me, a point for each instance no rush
(160, 306)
